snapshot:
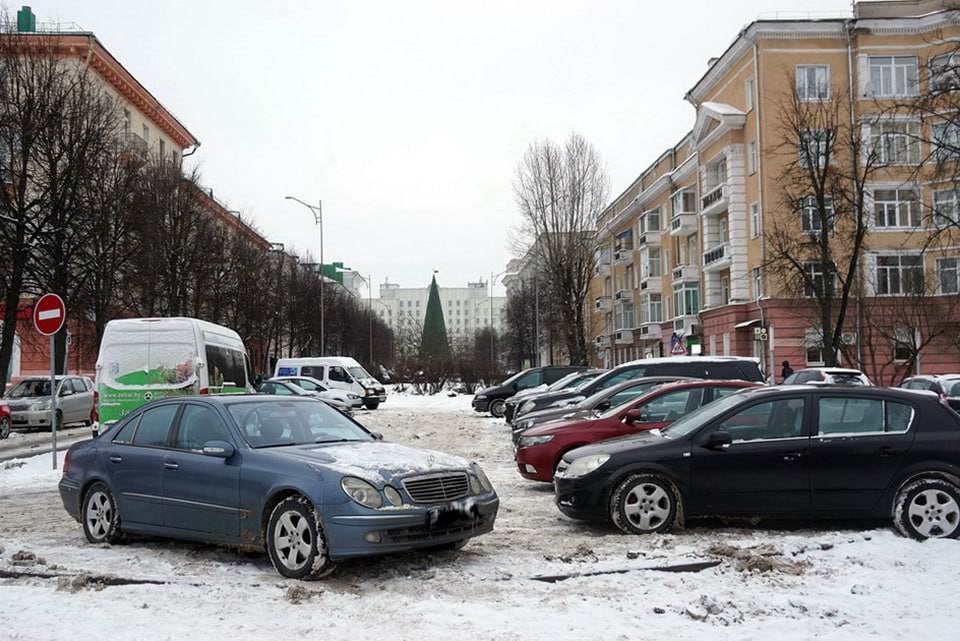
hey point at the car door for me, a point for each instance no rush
(764, 470)
(858, 446)
(339, 378)
(201, 494)
(135, 463)
(78, 402)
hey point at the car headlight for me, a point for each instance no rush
(527, 424)
(481, 397)
(353, 397)
(474, 485)
(41, 406)
(585, 464)
(530, 441)
(393, 496)
(527, 406)
(485, 483)
(361, 492)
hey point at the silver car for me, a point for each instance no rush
(29, 402)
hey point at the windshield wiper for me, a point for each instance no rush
(338, 440)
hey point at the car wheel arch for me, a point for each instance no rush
(942, 471)
(277, 496)
(90, 482)
(670, 477)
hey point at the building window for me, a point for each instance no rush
(946, 141)
(903, 343)
(653, 263)
(899, 274)
(624, 241)
(810, 214)
(684, 202)
(816, 279)
(623, 315)
(126, 121)
(162, 146)
(813, 82)
(755, 220)
(757, 283)
(893, 76)
(752, 157)
(948, 275)
(748, 91)
(896, 208)
(724, 230)
(945, 73)
(628, 277)
(946, 207)
(895, 142)
(815, 147)
(146, 134)
(686, 299)
(724, 290)
(651, 308)
(813, 343)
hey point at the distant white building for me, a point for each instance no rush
(466, 310)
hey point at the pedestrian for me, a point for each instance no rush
(787, 371)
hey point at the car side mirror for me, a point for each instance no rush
(377, 436)
(66, 392)
(603, 407)
(635, 416)
(719, 440)
(218, 449)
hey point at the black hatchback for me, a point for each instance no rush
(795, 451)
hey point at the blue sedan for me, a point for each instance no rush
(289, 474)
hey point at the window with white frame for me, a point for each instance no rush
(948, 275)
(813, 344)
(752, 157)
(724, 230)
(653, 263)
(757, 283)
(946, 141)
(628, 277)
(651, 308)
(898, 274)
(684, 202)
(810, 219)
(945, 73)
(813, 82)
(946, 207)
(904, 345)
(686, 299)
(895, 142)
(893, 76)
(748, 91)
(754, 220)
(815, 280)
(815, 147)
(623, 313)
(896, 208)
(724, 290)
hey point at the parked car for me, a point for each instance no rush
(712, 367)
(592, 405)
(30, 399)
(946, 386)
(569, 382)
(5, 420)
(291, 475)
(788, 451)
(541, 448)
(336, 372)
(286, 388)
(494, 399)
(827, 376)
(309, 384)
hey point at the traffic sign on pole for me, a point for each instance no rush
(49, 315)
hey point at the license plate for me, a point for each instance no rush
(464, 510)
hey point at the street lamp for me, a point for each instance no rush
(318, 221)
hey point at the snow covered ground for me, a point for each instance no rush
(827, 581)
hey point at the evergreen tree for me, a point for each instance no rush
(433, 344)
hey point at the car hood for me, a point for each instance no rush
(370, 382)
(572, 424)
(631, 443)
(555, 414)
(549, 397)
(26, 400)
(374, 461)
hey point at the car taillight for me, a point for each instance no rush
(204, 391)
(66, 463)
(95, 412)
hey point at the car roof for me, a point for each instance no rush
(691, 359)
(831, 370)
(646, 380)
(870, 391)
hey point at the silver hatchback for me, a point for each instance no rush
(29, 402)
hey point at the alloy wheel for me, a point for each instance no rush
(647, 506)
(934, 513)
(4, 427)
(293, 540)
(99, 515)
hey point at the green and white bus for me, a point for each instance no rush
(143, 359)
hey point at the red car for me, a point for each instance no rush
(541, 448)
(5, 420)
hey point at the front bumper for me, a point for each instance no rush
(583, 497)
(536, 463)
(70, 495)
(481, 404)
(30, 418)
(378, 396)
(396, 530)
(510, 411)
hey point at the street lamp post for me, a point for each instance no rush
(318, 221)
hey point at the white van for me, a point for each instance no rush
(143, 359)
(338, 372)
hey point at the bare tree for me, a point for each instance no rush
(560, 191)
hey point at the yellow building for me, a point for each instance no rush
(683, 253)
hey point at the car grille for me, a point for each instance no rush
(437, 488)
(19, 407)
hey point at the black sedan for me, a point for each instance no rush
(795, 451)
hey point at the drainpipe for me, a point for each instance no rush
(848, 28)
(193, 151)
(763, 238)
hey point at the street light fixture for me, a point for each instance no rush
(318, 221)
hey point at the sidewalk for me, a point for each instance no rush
(23, 444)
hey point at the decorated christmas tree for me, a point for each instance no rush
(433, 343)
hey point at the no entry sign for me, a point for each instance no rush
(49, 314)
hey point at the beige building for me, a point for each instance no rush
(681, 266)
(466, 310)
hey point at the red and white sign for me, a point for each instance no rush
(678, 349)
(49, 314)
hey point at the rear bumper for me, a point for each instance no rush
(70, 495)
(356, 535)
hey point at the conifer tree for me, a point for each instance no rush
(434, 344)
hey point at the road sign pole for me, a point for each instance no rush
(53, 397)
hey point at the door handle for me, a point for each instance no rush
(792, 456)
(171, 465)
(116, 459)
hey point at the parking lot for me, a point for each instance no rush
(838, 581)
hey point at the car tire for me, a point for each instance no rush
(371, 405)
(498, 408)
(4, 427)
(295, 541)
(928, 509)
(644, 504)
(100, 516)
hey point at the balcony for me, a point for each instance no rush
(623, 295)
(651, 237)
(602, 269)
(651, 284)
(602, 304)
(603, 341)
(715, 201)
(623, 256)
(686, 325)
(685, 272)
(716, 258)
(683, 224)
(650, 331)
(623, 337)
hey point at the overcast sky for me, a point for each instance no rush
(408, 118)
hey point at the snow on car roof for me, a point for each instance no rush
(691, 359)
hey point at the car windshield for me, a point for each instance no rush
(358, 372)
(628, 393)
(567, 381)
(30, 388)
(700, 416)
(623, 400)
(953, 389)
(844, 378)
(583, 382)
(277, 423)
(511, 379)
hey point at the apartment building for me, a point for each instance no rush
(466, 310)
(682, 265)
